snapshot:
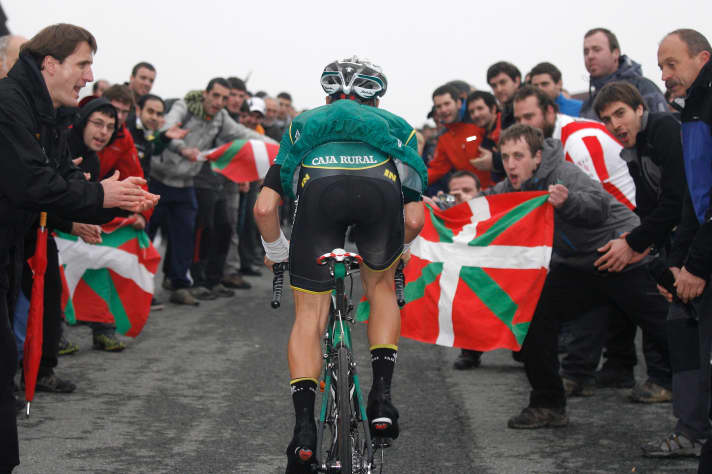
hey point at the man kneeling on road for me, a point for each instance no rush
(585, 217)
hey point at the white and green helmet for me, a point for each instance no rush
(354, 76)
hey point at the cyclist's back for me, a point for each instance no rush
(347, 163)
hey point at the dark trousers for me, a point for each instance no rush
(573, 292)
(690, 346)
(52, 317)
(10, 275)
(246, 227)
(630, 296)
(212, 241)
(620, 345)
(175, 214)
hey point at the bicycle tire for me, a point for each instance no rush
(344, 410)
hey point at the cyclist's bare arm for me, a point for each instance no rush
(414, 219)
(266, 213)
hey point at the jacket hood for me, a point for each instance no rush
(703, 79)
(627, 69)
(27, 74)
(76, 138)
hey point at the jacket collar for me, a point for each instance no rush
(703, 80)
(29, 78)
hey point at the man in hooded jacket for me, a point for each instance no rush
(585, 218)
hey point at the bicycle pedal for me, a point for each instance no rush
(382, 443)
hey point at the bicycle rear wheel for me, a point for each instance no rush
(344, 410)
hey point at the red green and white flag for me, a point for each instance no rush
(110, 282)
(476, 272)
(242, 161)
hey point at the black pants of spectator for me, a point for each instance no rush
(175, 214)
(246, 227)
(690, 347)
(10, 275)
(570, 292)
(212, 240)
(637, 300)
(620, 345)
(52, 317)
(705, 465)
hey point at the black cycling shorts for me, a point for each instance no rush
(331, 199)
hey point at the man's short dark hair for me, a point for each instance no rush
(95, 86)
(119, 93)
(463, 88)
(461, 173)
(217, 80)
(140, 65)
(145, 98)
(618, 91)
(530, 91)
(503, 67)
(58, 41)
(612, 40)
(533, 137)
(695, 41)
(447, 89)
(285, 96)
(236, 83)
(489, 100)
(546, 68)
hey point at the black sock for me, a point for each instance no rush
(303, 395)
(383, 360)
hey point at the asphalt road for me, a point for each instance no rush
(205, 390)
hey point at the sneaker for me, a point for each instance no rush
(301, 452)
(235, 281)
(382, 415)
(533, 418)
(574, 388)
(203, 293)
(249, 271)
(650, 392)
(67, 347)
(675, 445)
(52, 383)
(222, 292)
(106, 343)
(468, 360)
(615, 378)
(183, 296)
(156, 305)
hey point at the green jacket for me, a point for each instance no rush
(347, 120)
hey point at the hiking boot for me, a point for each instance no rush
(615, 378)
(53, 384)
(106, 343)
(675, 445)
(203, 293)
(382, 415)
(183, 296)
(156, 305)
(67, 347)
(222, 292)
(574, 388)
(533, 418)
(650, 392)
(249, 271)
(468, 360)
(235, 281)
(167, 284)
(301, 452)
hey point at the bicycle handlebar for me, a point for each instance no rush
(277, 282)
(400, 283)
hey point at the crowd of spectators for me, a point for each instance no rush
(627, 168)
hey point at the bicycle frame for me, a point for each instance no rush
(338, 334)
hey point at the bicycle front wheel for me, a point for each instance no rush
(344, 410)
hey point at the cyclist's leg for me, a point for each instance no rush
(304, 349)
(384, 323)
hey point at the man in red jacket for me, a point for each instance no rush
(121, 154)
(461, 141)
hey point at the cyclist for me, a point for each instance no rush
(347, 163)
